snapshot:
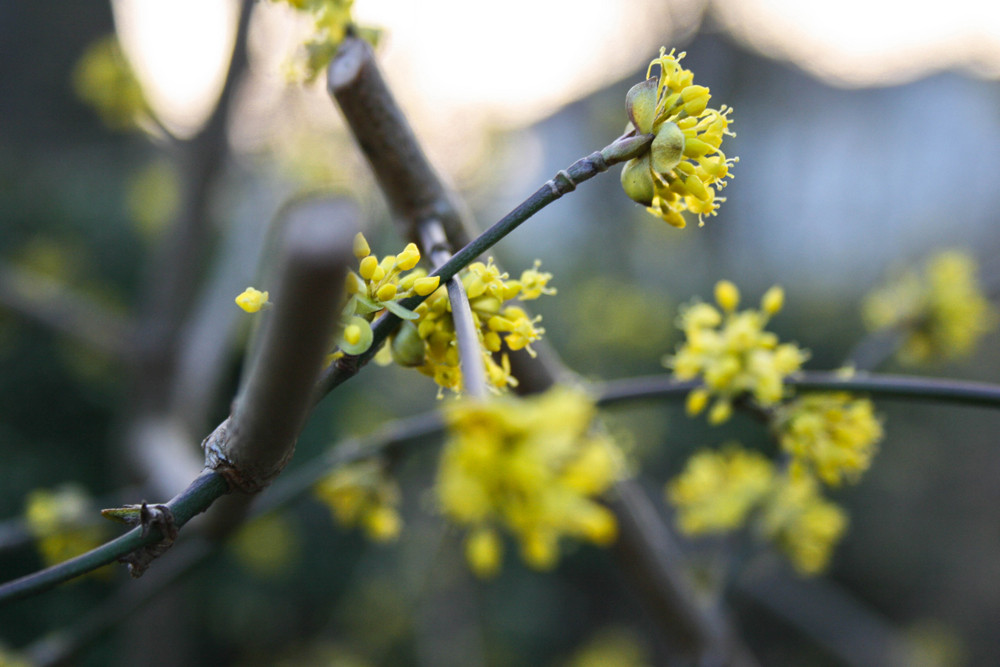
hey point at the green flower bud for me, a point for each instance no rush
(356, 336)
(637, 181)
(407, 346)
(641, 104)
(668, 148)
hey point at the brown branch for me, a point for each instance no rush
(258, 439)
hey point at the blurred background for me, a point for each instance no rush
(869, 138)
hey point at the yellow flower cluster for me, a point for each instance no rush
(499, 323)
(804, 525)
(532, 466)
(732, 353)
(943, 312)
(61, 520)
(685, 165)
(332, 20)
(362, 494)
(380, 285)
(718, 491)
(830, 434)
(104, 79)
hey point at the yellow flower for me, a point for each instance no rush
(531, 466)
(732, 353)
(362, 494)
(685, 165)
(252, 300)
(717, 490)
(61, 522)
(943, 313)
(804, 525)
(832, 434)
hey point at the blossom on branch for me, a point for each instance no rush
(732, 354)
(942, 312)
(685, 166)
(533, 467)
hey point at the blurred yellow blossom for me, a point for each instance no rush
(732, 353)
(942, 312)
(104, 79)
(685, 165)
(252, 300)
(831, 434)
(611, 646)
(531, 466)
(717, 490)
(362, 494)
(266, 546)
(11, 658)
(804, 525)
(62, 522)
(332, 22)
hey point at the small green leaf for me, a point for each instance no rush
(399, 311)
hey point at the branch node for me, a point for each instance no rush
(151, 516)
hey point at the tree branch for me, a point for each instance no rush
(258, 439)
(196, 498)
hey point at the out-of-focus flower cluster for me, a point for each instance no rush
(531, 466)
(720, 491)
(62, 523)
(332, 20)
(363, 494)
(832, 435)
(732, 353)
(942, 312)
(828, 437)
(501, 325)
(104, 80)
(685, 166)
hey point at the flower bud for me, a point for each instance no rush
(637, 181)
(357, 336)
(407, 346)
(727, 295)
(641, 105)
(361, 249)
(668, 148)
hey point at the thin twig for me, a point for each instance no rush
(196, 498)
(884, 386)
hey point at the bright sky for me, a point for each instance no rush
(516, 61)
